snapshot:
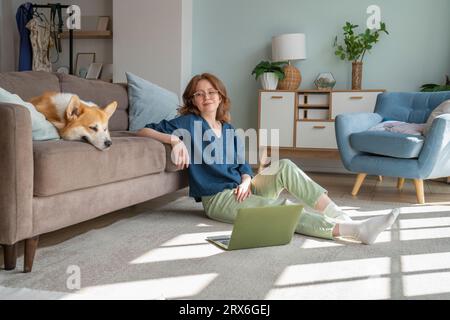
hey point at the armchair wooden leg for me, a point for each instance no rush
(359, 181)
(419, 191)
(400, 183)
(10, 256)
(380, 178)
(30, 251)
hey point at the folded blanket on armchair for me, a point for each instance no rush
(400, 127)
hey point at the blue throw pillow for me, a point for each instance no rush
(149, 103)
(41, 128)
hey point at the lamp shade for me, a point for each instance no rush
(290, 46)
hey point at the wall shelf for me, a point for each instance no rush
(88, 34)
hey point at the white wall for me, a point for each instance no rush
(153, 40)
(7, 23)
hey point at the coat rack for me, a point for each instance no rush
(58, 7)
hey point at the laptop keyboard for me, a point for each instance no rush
(224, 241)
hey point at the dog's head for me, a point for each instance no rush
(89, 123)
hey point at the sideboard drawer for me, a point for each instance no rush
(315, 134)
(357, 101)
(278, 113)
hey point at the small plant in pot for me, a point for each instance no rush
(355, 47)
(432, 87)
(269, 73)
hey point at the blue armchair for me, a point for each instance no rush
(393, 154)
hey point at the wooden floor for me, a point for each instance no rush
(340, 185)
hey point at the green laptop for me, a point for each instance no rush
(260, 227)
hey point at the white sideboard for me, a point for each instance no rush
(305, 118)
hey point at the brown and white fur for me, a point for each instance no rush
(76, 119)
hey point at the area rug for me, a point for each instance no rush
(162, 254)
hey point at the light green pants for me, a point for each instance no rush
(266, 188)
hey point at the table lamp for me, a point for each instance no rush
(288, 47)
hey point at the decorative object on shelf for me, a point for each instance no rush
(63, 69)
(355, 47)
(269, 73)
(102, 24)
(94, 71)
(289, 47)
(432, 87)
(107, 72)
(83, 62)
(325, 81)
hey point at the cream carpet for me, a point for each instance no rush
(162, 254)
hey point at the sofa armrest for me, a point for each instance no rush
(434, 159)
(347, 124)
(16, 172)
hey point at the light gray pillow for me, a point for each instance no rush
(42, 129)
(443, 108)
(149, 103)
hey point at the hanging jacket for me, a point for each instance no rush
(41, 42)
(23, 16)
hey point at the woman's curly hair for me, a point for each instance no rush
(223, 111)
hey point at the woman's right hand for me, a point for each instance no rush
(180, 154)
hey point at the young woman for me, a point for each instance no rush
(225, 186)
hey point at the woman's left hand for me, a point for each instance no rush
(243, 191)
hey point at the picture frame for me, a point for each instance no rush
(94, 71)
(103, 22)
(82, 63)
(107, 72)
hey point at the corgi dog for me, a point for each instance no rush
(76, 119)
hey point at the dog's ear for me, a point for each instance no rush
(110, 108)
(74, 108)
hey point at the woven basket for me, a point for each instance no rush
(292, 79)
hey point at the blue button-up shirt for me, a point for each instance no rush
(216, 163)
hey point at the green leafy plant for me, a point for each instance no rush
(267, 66)
(357, 45)
(432, 87)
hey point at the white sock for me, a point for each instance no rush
(368, 230)
(333, 211)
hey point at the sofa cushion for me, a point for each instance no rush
(29, 84)
(41, 128)
(61, 166)
(443, 108)
(391, 144)
(102, 93)
(149, 103)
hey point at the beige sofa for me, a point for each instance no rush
(49, 185)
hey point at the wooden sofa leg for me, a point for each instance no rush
(30, 251)
(10, 256)
(359, 181)
(380, 178)
(400, 183)
(419, 191)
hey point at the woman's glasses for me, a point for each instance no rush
(202, 94)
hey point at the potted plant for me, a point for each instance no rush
(432, 87)
(355, 47)
(269, 73)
